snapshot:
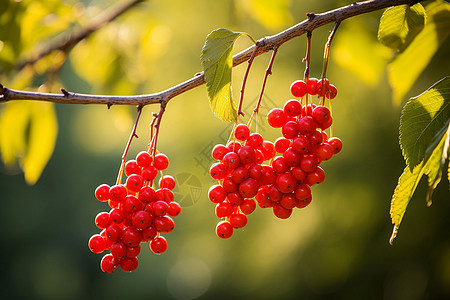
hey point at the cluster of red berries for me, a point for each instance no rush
(303, 146)
(139, 213)
(240, 174)
(285, 182)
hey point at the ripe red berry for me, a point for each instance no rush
(219, 151)
(131, 204)
(167, 181)
(268, 150)
(229, 186)
(281, 212)
(309, 163)
(148, 234)
(286, 183)
(165, 195)
(118, 193)
(102, 192)
(147, 194)
(114, 232)
(131, 167)
(224, 229)
(332, 92)
(248, 206)
(118, 250)
(231, 160)
(238, 220)
(174, 209)
(134, 182)
(249, 188)
(306, 125)
(324, 151)
(321, 114)
(144, 159)
(109, 263)
(218, 171)
(161, 161)
(224, 209)
(305, 202)
(164, 224)
(141, 219)
(280, 165)
(217, 194)
(255, 140)
(336, 143)
(290, 129)
(276, 117)
(298, 88)
(242, 132)
(160, 208)
(158, 245)
(312, 86)
(97, 243)
(292, 108)
(247, 155)
(292, 157)
(117, 215)
(301, 144)
(316, 177)
(133, 251)
(129, 264)
(302, 192)
(281, 144)
(102, 220)
(322, 86)
(131, 236)
(288, 201)
(149, 174)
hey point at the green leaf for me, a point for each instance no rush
(408, 65)
(423, 118)
(406, 186)
(399, 25)
(424, 138)
(217, 62)
(28, 133)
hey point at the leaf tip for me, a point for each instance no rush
(394, 234)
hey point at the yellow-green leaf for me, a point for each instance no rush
(217, 62)
(406, 186)
(399, 25)
(28, 133)
(404, 70)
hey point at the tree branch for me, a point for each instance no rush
(67, 42)
(264, 45)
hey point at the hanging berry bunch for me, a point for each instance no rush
(140, 212)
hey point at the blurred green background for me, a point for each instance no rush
(336, 248)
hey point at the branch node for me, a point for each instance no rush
(108, 105)
(310, 16)
(65, 92)
(2, 90)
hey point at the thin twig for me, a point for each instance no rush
(68, 41)
(270, 43)
(127, 147)
(244, 81)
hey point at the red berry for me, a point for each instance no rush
(160, 208)
(234, 146)
(133, 251)
(118, 250)
(158, 245)
(315, 138)
(280, 165)
(144, 159)
(268, 149)
(235, 198)
(249, 188)
(229, 186)
(305, 202)
(114, 232)
(141, 219)
(290, 129)
(274, 194)
(288, 201)
(247, 155)
(309, 163)
(164, 224)
(301, 144)
(276, 117)
(118, 193)
(117, 215)
(316, 177)
(241, 132)
(238, 220)
(231, 160)
(298, 88)
(281, 212)
(161, 161)
(292, 158)
(131, 236)
(131, 167)
(286, 182)
(148, 234)
(292, 108)
(131, 204)
(97, 243)
(306, 125)
(281, 144)
(255, 140)
(322, 86)
(174, 209)
(165, 195)
(324, 151)
(102, 220)
(129, 264)
(218, 171)
(224, 230)
(167, 181)
(336, 143)
(248, 206)
(269, 176)
(298, 173)
(149, 174)
(321, 114)
(240, 174)
(147, 194)
(109, 263)
(217, 194)
(302, 192)
(102, 192)
(224, 209)
(256, 171)
(219, 151)
(312, 86)
(134, 182)
(332, 92)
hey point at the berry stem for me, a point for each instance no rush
(268, 72)
(244, 81)
(326, 55)
(127, 147)
(307, 60)
(156, 125)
